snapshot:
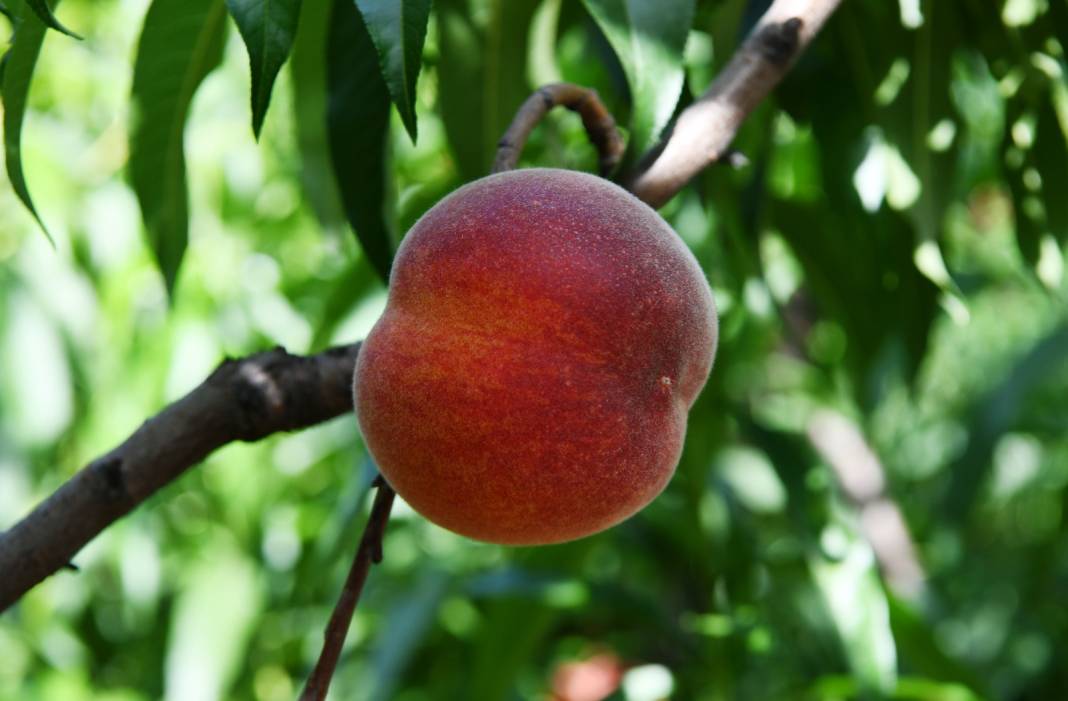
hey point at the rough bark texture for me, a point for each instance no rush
(242, 400)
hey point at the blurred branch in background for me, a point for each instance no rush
(861, 477)
(704, 131)
(244, 400)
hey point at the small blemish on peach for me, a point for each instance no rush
(665, 381)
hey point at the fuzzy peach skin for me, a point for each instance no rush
(545, 336)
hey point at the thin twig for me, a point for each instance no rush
(600, 126)
(704, 131)
(244, 400)
(369, 552)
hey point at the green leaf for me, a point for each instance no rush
(398, 30)
(268, 28)
(649, 38)
(481, 75)
(868, 284)
(358, 128)
(17, 67)
(921, 651)
(858, 606)
(994, 414)
(308, 70)
(44, 13)
(411, 618)
(1051, 158)
(181, 42)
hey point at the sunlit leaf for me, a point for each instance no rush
(268, 28)
(17, 71)
(858, 265)
(181, 42)
(358, 127)
(398, 30)
(649, 38)
(857, 603)
(922, 104)
(752, 479)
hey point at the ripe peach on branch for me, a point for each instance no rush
(545, 336)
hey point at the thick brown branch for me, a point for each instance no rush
(600, 126)
(369, 552)
(243, 400)
(704, 131)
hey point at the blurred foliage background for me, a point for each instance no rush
(894, 253)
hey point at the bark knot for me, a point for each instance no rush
(779, 42)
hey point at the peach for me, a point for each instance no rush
(545, 336)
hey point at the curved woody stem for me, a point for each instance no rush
(599, 123)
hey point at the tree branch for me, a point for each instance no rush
(369, 552)
(704, 131)
(600, 126)
(243, 400)
(861, 477)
